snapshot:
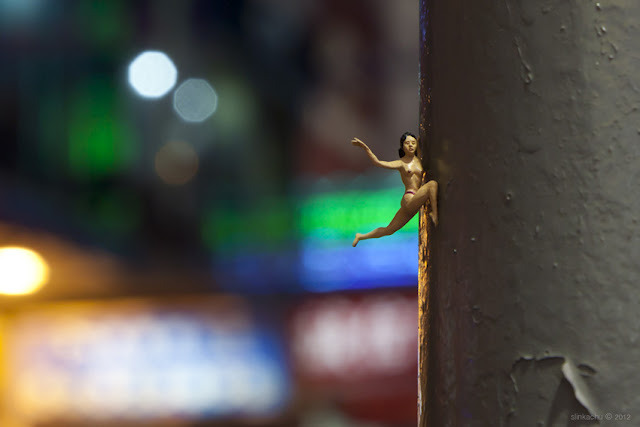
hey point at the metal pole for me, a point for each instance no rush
(530, 123)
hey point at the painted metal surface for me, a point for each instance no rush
(533, 135)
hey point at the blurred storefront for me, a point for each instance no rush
(212, 360)
(182, 175)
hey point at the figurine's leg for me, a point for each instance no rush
(399, 220)
(428, 191)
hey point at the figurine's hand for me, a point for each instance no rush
(357, 143)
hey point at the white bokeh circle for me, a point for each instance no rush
(152, 74)
(195, 100)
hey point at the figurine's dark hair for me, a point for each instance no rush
(402, 139)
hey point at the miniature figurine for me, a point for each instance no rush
(410, 169)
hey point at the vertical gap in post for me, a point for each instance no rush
(425, 273)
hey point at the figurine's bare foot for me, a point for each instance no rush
(356, 240)
(434, 218)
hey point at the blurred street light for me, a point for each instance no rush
(176, 163)
(152, 74)
(22, 271)
(195, 100)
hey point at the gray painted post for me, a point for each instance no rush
(530, 123)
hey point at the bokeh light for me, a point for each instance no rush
(102, 141)
(19, 12)
(195, 100)
(239, 113)
(22, 271)
(152, 74)
(176, 162)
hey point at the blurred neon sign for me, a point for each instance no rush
(380, 263)
(269, 249)
(339, 214)
(141, 361)
(327, 223)
(346, 339)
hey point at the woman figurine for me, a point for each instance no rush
(410, 169)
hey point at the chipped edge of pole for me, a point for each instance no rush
(426, 227)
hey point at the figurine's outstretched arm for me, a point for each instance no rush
(396, 164)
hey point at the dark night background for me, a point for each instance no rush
(125, 199)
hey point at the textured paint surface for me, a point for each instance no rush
(535, 143)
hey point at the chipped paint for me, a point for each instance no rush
(571, 373)
(580, 389)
